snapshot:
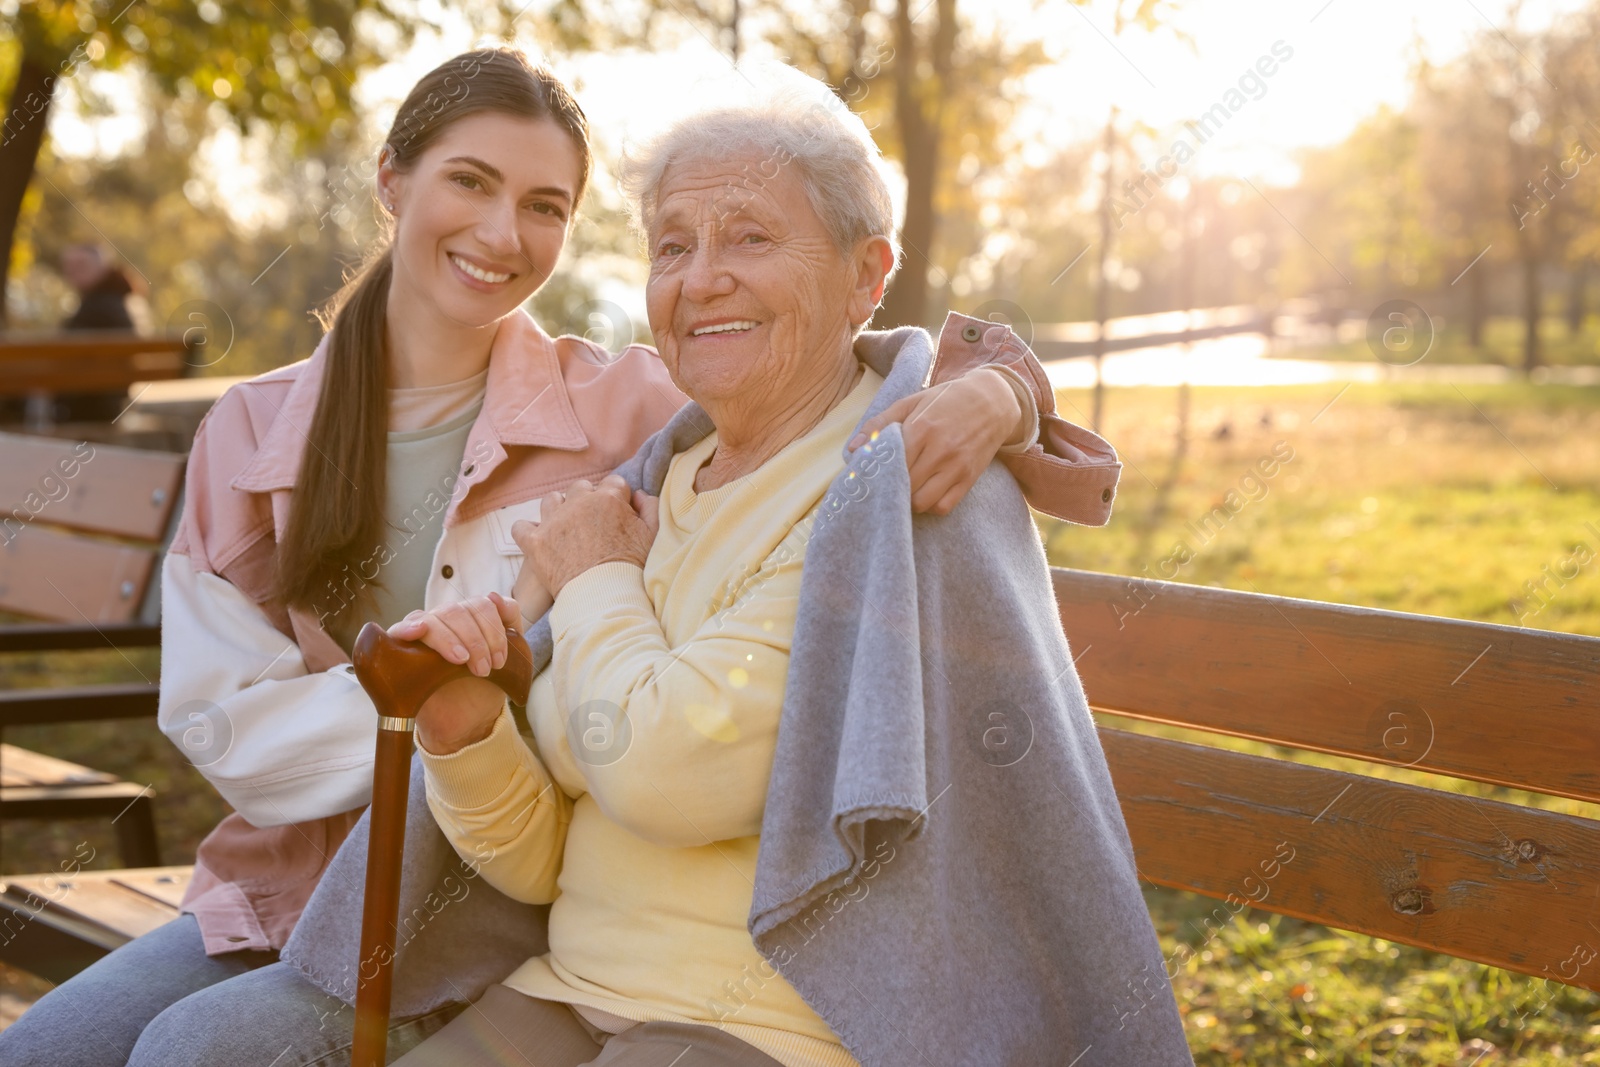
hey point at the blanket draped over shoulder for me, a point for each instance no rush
(944, 872)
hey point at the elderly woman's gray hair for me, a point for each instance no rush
(790, 119)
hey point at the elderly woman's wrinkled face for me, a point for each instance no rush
(747, 292)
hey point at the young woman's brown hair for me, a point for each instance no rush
(336, 519)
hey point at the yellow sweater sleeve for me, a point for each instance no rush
(695, 725)
(498, 807)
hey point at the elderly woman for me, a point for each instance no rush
(707, 873)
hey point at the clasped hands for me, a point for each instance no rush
(578, 529)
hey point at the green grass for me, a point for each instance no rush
(1422, 498)
(1502, 343)
(1428, 499)
(1432, 499)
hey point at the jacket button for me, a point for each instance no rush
(450, 572)
(971, 333)
(1105, 495)
(236, 940)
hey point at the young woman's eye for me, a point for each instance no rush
(544, 207)
(467, 181)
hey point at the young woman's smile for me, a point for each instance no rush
(481, 219)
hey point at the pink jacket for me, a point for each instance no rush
(263, 701)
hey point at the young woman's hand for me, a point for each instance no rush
(473, 633)
(586, 526)
(951, 432)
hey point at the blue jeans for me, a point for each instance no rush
(95, 1018)
(159, 1001)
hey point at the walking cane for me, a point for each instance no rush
(400, 676)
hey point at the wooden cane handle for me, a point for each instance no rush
(400, 676)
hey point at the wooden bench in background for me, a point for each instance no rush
(81, 538)
(36, 786)
(61, 923)
(87, 361)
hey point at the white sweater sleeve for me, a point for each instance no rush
(281, 745)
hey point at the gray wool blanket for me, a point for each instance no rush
(944, 872)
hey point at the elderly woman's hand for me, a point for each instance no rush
(584, 527)
(470, 632)
(951, 431)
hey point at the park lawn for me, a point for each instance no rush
(1420, 498)
(1428, 499)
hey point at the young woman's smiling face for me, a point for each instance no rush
(481, 218)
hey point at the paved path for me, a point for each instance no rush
(1241, 360)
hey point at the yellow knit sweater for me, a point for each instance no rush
(654, 728)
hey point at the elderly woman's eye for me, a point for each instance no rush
(753, 238)
(670, 248)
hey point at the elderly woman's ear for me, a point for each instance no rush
(872, 263)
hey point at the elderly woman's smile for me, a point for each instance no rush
(748, 293)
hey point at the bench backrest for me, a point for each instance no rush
(1501, 883)
(88, 360)
(82, 528)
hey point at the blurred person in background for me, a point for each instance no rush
(103, 290)
(108, 299)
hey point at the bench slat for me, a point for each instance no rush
(57, 638)
(1505, 885)
(164, 884)
(20, 767)
(125, 492)
(71, 345)
(95, 898)
(87, 801)
(59, 576)
(1499, 704)
(88, 703)
(87, 361)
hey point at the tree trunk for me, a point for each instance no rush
(1577, 285)
(921, 133)
(1477, 304)
(20, 141)
(1530, 311)
(906, 302)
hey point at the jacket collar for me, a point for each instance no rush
(525, 403)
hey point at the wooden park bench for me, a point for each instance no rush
(55, 925)
(1505, 884)
(82, 531)
(87, 361)
(1501, 883)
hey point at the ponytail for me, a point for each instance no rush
(335, 520)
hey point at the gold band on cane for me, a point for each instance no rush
(391, 722)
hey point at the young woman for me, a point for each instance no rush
(380, 476)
